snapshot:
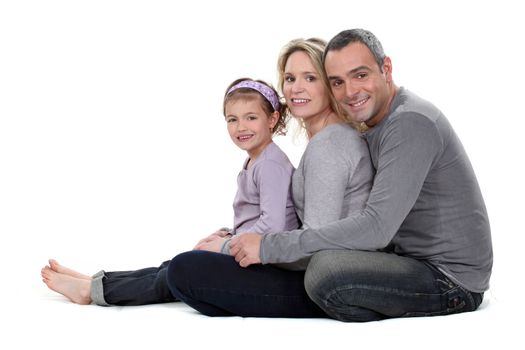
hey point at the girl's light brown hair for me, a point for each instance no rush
(249, 94)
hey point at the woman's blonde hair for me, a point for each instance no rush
(314, 48)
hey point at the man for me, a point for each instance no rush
(422, 246)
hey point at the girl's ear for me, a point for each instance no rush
(273, 118)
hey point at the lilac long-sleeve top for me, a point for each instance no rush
(263, 202)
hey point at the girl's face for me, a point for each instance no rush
(303, 88)
(249, 126)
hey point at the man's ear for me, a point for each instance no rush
(387, 69)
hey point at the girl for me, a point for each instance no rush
(263, 203)
(333, 180)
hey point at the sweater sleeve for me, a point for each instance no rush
(326, 174)
(407, 149)
(273, 183)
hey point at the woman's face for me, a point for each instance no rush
(303, 88)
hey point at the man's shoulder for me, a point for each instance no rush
(408, 105)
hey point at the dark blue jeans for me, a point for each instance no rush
(215, 285)
(138, 287)
(368, 286)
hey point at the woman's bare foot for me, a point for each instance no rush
(55, 266)
(78, 290)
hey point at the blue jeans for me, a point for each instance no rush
(215, 285)
(366, 286)
(137, 287)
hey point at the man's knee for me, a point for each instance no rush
(315, 276)
(333, 282)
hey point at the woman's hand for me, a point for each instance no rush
(246, 249)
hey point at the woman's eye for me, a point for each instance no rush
(310, 78)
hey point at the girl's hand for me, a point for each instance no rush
(212, 243)
(213, 236)
(245, 248)
(222, 233)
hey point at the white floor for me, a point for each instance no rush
(50, 322)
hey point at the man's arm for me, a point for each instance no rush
(408, 146)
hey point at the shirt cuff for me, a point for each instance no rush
(225, 249)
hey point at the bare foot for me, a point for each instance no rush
(78, 290)
(55, 266)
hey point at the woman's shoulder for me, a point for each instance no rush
(336, 136)
(337, 143)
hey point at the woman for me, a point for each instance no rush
(333, 180)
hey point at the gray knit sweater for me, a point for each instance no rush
(425, 202)
(334, 176)
(333, 179)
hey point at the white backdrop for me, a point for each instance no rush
(113, 149)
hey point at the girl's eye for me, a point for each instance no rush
(289, 79)
(252, 117)
(230, 120)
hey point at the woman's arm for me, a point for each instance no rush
(325, 174)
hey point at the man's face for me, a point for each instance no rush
(358, 83)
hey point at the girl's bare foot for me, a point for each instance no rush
(55, 266)
(78, 290)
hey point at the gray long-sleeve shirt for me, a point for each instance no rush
(333, 179)
(334, 176)
(425, 202)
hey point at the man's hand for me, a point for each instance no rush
(246, 249)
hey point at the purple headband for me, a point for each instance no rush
(264, 90)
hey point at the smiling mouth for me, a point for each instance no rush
(299, 101)
(243, 138)
(359, 103)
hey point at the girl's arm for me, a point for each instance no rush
(273, 182)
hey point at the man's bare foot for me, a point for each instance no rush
(55, 266)
(78, 290)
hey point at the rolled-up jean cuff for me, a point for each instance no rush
(97, 289)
